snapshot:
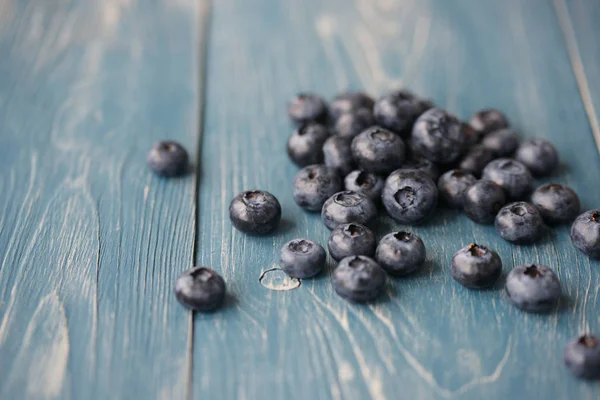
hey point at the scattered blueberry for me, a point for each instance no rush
(398, 111)
(585, 233)
(338, 154)
(538, 155)
(346, 207)
(255, 211)
(439, 136)
(348, 103)
(305, 146)
(351, 240)
(302, 258)
(476, 266)
(582, 356)
(313, 185)
(359, 279)
(533, 288)
(488, 120)
(452, 186)
(510, 175)
(483, 200)
(557, 203)
(350, 125)
(400, 253)
(200, 289)
(519, 222)
(502, 143)
(307, 107)
(366, 183)
(378, 150)
(424, 165)
(409, 196)
(167, 158)
(476, 159)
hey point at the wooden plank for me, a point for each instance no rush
(428, 338)
(90, 240)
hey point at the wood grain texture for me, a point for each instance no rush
(90, 240)
(428, 338)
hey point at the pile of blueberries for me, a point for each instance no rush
(402, 155)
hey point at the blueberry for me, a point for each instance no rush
(378, 150)
(510, 175)
(351, 240)
(533, 288)
(475, 266)
(200, 289)
(255, 211)
(582, 356)
(585, 233)
(346, 207)
(398, 111)
(338, 155)
(307, 107)
(557, 203)
(488, 120)
(350, 125)
(400, 253)
(167, 158)
(452, 186)
(538, 155)
(471, 135)
(302, 258)
(409, 196)
(348, 103)
(502, 143)
(305, 146)
(476, 159)
(483, 200)
(519, 222)
(424, 165)
(439, 136)
(366, 183)
(359, 279)
(313, 185)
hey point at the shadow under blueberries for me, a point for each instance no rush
(286, 225)
(229, 303)
(442, 216)
(429, 269)
(565, 303)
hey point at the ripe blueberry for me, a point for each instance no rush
(255, 211)
(538, 155)
(346, 207)
(476, 266)
(307, 107)
(582, 356)
(409, 196)
(585, 233)
(338, 155)
(502, 143)
(488, 120)
(200, 289)
(533, 288)
(359, 279)
(313, 185)
(366, 183)
(378, 150)
(167, 158)
(351, 240)
(439, 136)
(350, 102)
(452, 186)
(483, 200)
(302, 258)
(510, 175)
(398, 111)
(350, 125)
(556, 203)
(519, 222)
(305, 146)
(400, 253)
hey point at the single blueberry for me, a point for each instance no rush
(533, 288)
(359, 279)
(557, 203)
(350, 102)
(475, 266)
(200, 289)
(400, 253)
(346, 207)
(483, 200)
(502, 143)
(255, 211)
(305, 146)
(350, 125)
(366, 183)
(476, 159)
(519, 222)
(307, 107)
(302, 258)
(424, 165)
(538, 155)
(439, 136)
(582, 356)
(378, 150)
(167, 158)
(510, 175)
(452, 186)
(585, 233)
(409, 196)
(313, 185)
(488, 120)
(351, 240)
(471, 135)
(398, 111)
(338, 155)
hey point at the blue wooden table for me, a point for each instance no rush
(91, 241)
